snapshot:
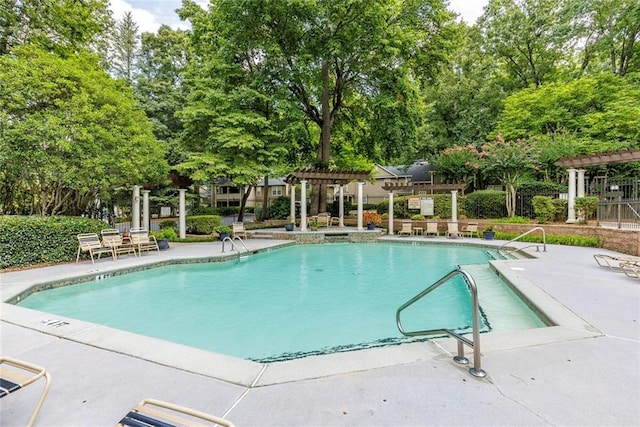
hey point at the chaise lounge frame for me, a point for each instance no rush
(20, 375)
(152, 412)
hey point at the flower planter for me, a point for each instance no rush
(371, 226)
(288, 226)
(224, 236)
(488, 235)
(163, 244)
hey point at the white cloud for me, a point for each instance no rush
(469, 10)
(146, 21)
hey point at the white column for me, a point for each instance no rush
(581, 182)
(145, 209)
(341, 206)
(303, 205)
(292, 211)
(572, 196)
(135, 208)
(360, 187)
(454, 206)
(183, 214)
(390, 213)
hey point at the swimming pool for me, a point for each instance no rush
(291, 302)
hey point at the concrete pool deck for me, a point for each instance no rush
(586, 371)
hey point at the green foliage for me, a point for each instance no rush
(212, 210)
(513, 220)
(484, 203)
(586, 207)
(417, 217)
(222, 229)
(569, 240)
(459, 164)
(202, 224)
(543, 208)
(560, 207)
(542, 187)
(165, 233)
(31, 240)
(169, 223)
(280, 208)
(69, 135)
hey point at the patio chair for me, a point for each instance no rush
(16, 374)
(471, 229)
(90, 242)
(142, 241)
(407, 228)
(452, 229)
(111, 238)
(238, 229)
(631, 268)
(613, 261)
(156, 413)
(432, 228)
(324, 219)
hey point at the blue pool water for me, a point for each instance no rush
(289, 302)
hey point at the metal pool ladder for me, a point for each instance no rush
(476, 369)
(233, 245)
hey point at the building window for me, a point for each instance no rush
(258, 191)
(276, 191)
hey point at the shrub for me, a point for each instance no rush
(484, 204)
(586, 207)
(560, 207)
(30, 240)
(169, 223)
(417, 217)
(371, 217)
(165, 233)
(280, 208)
(202, 224)
(543, 208)
(334, 207)
(513, 220)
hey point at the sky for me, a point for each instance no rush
(150, 14)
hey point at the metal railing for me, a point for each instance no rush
(476, 369)
(544, 242)
(233, 245)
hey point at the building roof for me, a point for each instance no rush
(420, 171)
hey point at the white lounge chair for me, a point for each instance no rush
(17, 374)
(152, 412)
(452, 229)
(238, 229)
(142, 241)
(407, 228)
(432, 228)
(613, 261)
(111, 238)
(471, 229)
(90, 242)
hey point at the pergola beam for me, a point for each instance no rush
(626, 156)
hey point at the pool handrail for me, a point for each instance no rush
(476, 369)
(544, 242)
(233, 245)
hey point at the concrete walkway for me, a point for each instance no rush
(585, 372)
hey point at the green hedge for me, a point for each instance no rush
(484, 204)
(202, 224)
(569, 240)
(31, 240)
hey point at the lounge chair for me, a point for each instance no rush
(613, 261)
(111, 238)
(471, 229)
(452, 229)
(631, 268)
(156, 413)
(324, 219)
(432, 228)
(16, 374)
(407, 227)
(142, 241)
(239, 230)
(90, 242)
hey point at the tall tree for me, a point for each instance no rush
(60, 26)
(327, 54)
(526, 36)
(125, 46)
(69, 134)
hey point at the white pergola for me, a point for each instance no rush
(328, 177)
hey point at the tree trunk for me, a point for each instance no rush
(243, 202)
(324, 149)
